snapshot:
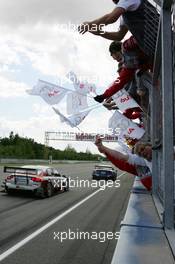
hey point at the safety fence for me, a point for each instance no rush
(159, 44)
(143, 233)
(162, 102)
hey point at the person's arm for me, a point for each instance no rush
(130, 44)
(107, 151)
(118, 36)
(122, 164)
(115, 154)
(104, 20)
(125, 76)
(119, 159)
(134, 159)
(133, 113)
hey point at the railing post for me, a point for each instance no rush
(167, 95)
(155, 110)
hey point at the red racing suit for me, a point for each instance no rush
(127, 73)
(125, 166)
(133, 113)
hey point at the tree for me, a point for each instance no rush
(26, 148)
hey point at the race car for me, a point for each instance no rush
(43, 181)
(104, 172)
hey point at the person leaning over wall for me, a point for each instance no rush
(132, 89)
(128, 162)
(131, 113)
(132, 16)
(132, 59)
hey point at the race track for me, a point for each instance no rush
(82, 209)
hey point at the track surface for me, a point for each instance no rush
(21, 215)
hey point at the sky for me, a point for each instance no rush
(38, 40)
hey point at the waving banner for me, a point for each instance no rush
(124, 101)
(81, 87)
(33, 91)
(73, 78)
(123, 145)
(51, 93)
(76, 103)
(86, 87)
(63, 118)
(73, 120)
(127, 127)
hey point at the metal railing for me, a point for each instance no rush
(162, 113)
(151, 15)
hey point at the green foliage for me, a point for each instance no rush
(18, 147)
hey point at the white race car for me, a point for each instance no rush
(41, 180)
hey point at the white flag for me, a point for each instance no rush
(122, 143)
(73, 120)
(33, 91)
(73, 78)
(86, 88)
(92, 88)
(78, 118)
(51, 93)
(127, 127)
(124, 101)
(63, 118)
(76, 103)
(83, 87)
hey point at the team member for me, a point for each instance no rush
(132, 14)
(131, 163)
(131, 113)
(132, 58)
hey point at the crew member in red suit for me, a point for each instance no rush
(132, 58)
(131, 163)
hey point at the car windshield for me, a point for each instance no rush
(103, 172)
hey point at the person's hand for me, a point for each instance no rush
(99, 98)
(110, 104)
(84, 27)
(107, 105)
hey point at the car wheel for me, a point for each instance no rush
(49, 190)
(9, 191)
(41, 193)
(66, 187)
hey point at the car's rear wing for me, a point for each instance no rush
(15, 170)
(104, 167)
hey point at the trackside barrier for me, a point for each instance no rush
(147, 231)
(142, 237)
(44, 162)
(162, 118)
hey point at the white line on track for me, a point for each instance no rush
(121, 175)
(49, 224)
